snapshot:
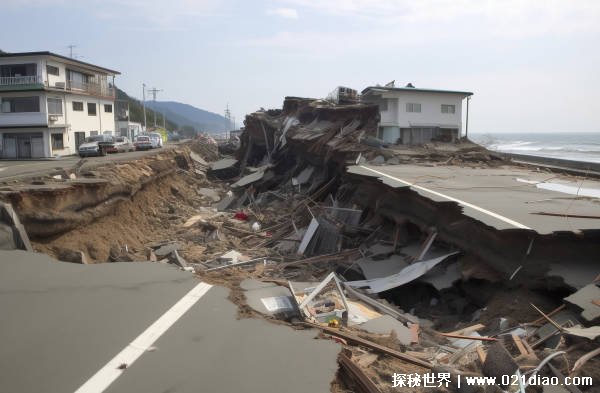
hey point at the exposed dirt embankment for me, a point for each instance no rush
(112, 211)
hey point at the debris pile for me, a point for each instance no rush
(293, 244)
(300, 241)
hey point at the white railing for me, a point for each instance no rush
(20, 80)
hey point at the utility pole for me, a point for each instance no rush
(153, 91)
(144, 104)
(71, 50)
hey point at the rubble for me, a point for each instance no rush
(405, 283)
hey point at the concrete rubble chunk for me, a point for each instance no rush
(9, 217)
(268, 298)
(210, 193)
(72, 256)
(584, 299)
(197, 159)
(167, 249)
(385, 325)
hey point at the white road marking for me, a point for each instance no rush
(459, 201)
(113, 369)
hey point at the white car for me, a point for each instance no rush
(156, 139)
(123, 144)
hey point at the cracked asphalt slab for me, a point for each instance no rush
(64, 322)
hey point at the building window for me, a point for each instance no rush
(448, 108)
(383, 106)
(20, 104)
(91, 109)
(93, 133)
(57, 141)
(78, 106)
(108, 108)
(55, 106)
(410, 107)
(51, 70)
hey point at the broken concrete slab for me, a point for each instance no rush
(253, 178)
(385, 325)
(197, 159)
(167, 249)
(267, 298)
(584, 300)
(589, 333)
(225, 202)
(74, 256)
(225, 163)
(9, 217)
(178, 259)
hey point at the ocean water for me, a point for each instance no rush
(577, 146)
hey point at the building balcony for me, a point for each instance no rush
(27, 82)
(97, 89)
(35, 82)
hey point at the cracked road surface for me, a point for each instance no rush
(63, 324)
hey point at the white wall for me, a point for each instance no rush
(52, 79)
(431, 110)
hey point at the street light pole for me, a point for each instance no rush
(144, 103)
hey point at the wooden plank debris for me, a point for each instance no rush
(370, 344)
(357, 374)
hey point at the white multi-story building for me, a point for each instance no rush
(415, 116)
(49, 103)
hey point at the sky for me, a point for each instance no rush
(533, 66)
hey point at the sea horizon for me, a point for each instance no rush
(578, 146)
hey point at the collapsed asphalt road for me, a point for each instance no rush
(64, 324)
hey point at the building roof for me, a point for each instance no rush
(68, 59)
(413, 89)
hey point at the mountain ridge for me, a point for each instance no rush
(189, 115)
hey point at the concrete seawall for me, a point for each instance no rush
(576, 167)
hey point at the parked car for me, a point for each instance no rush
(143, 142)
(96, 145)
(156, 139)
(123, 144)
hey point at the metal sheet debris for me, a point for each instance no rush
(406, 275)
(277, 304)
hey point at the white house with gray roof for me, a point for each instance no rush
(49, 103)
(413, 116)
